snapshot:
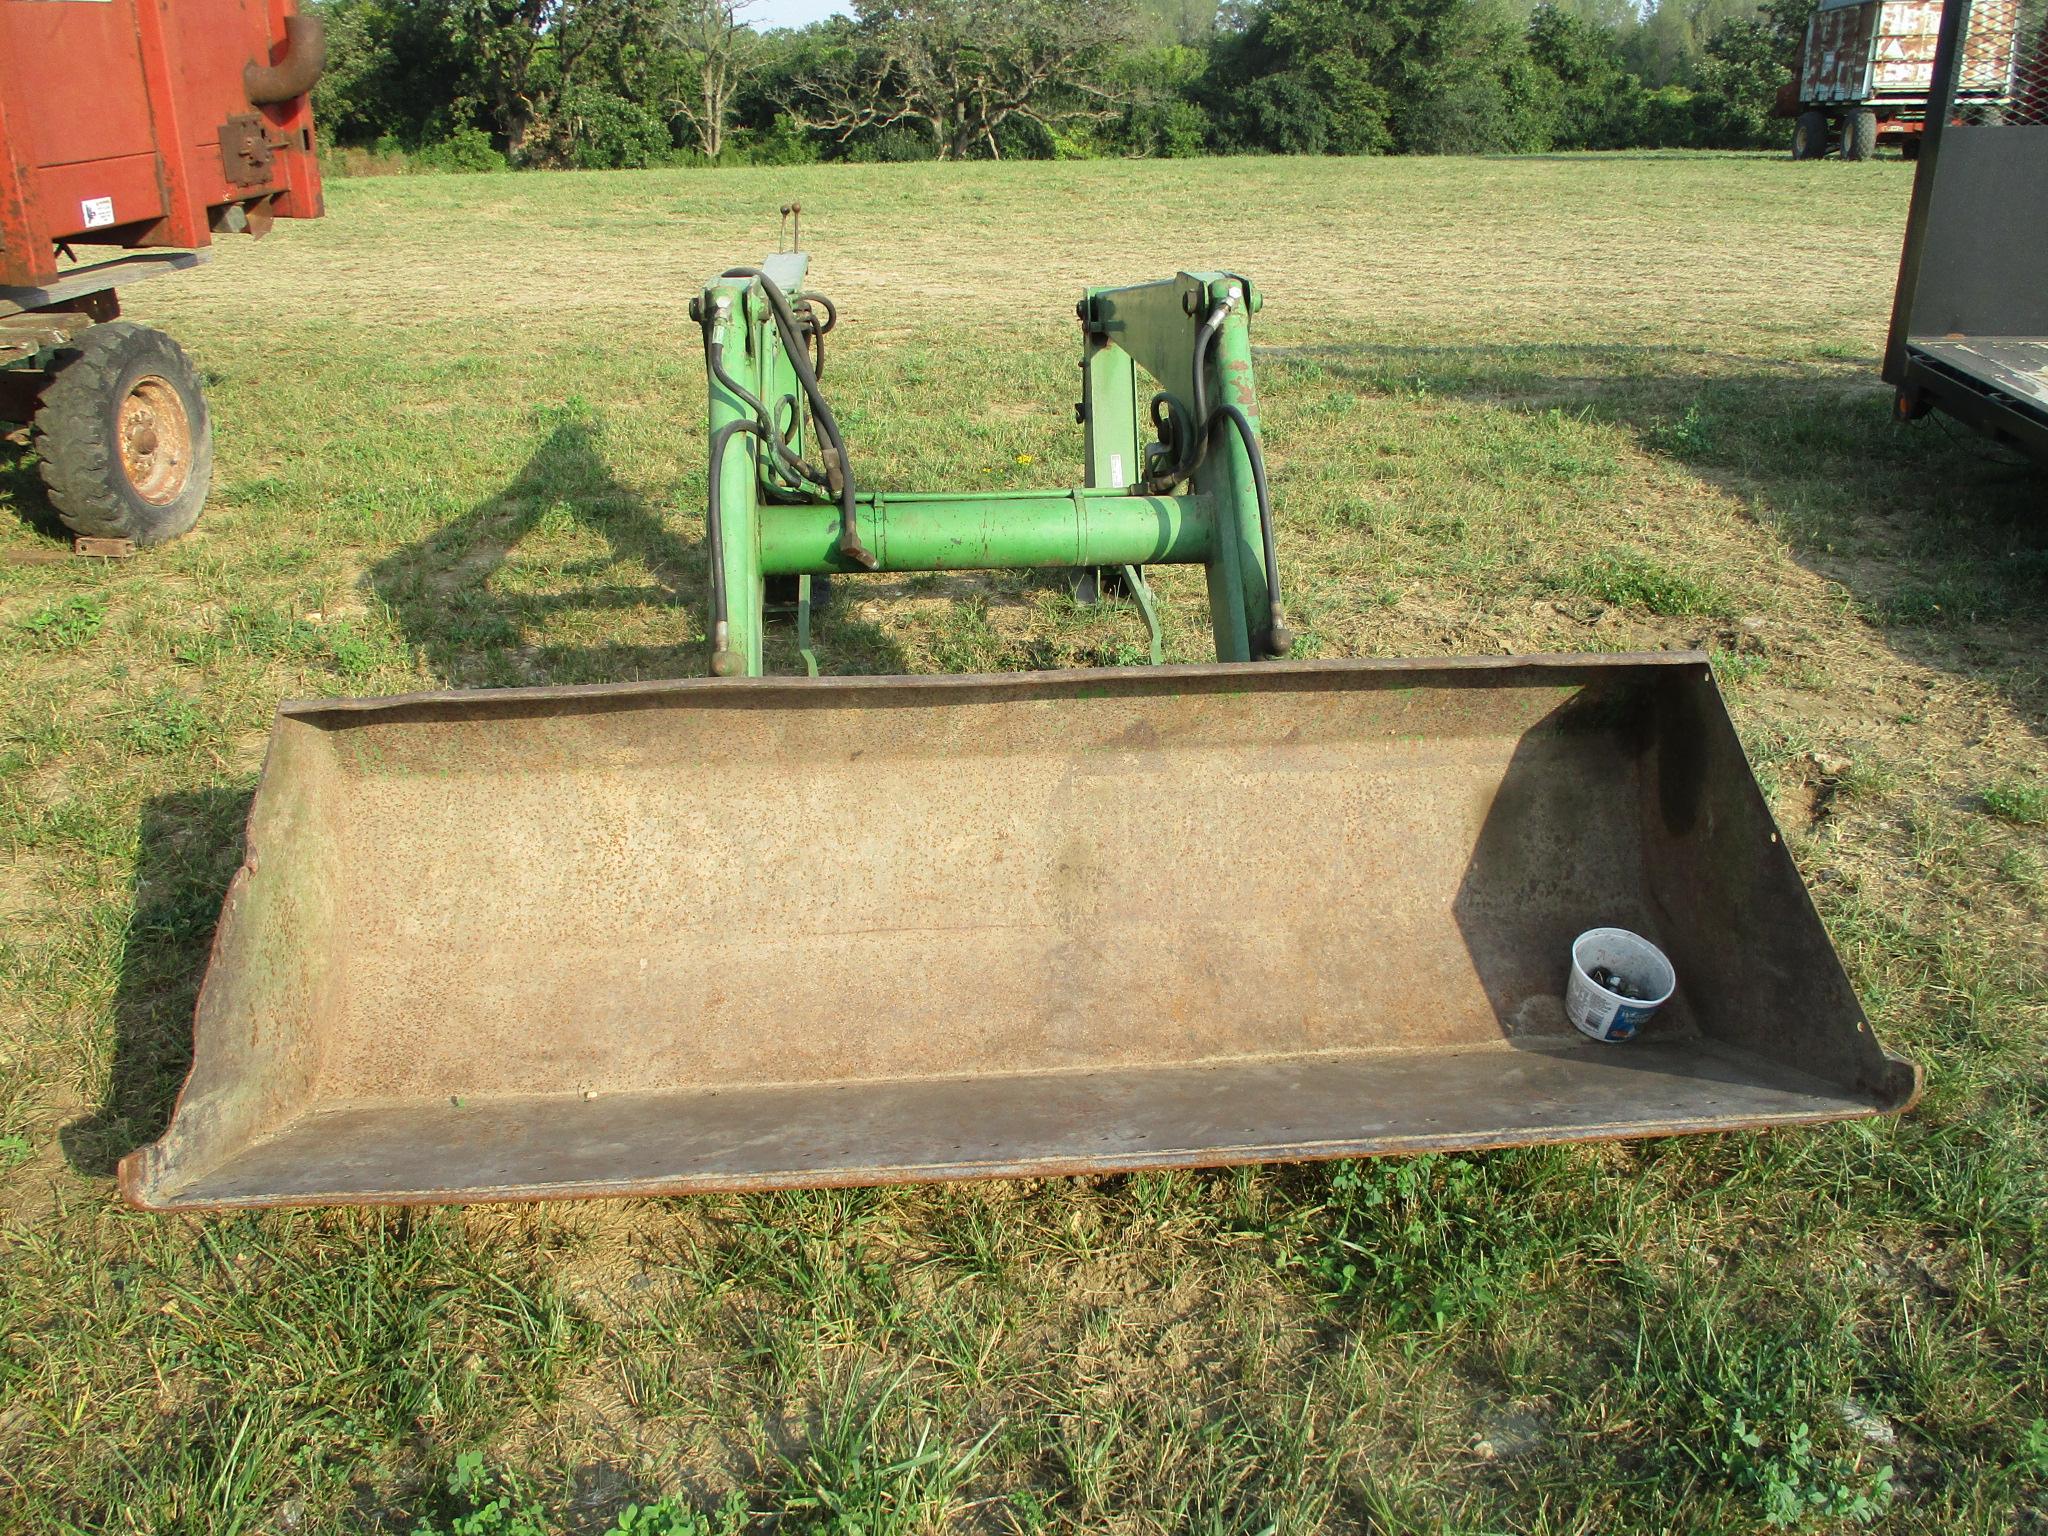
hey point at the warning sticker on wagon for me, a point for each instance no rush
(98, 212)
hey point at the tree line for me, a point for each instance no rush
(480, 84)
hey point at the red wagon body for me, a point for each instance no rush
(140, 123)
(147, 126)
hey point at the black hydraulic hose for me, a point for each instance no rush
(794, 469)
(1204, 339)
(1278, 639)
(1192, 453)
(831, 310)
(819, 328)
(725, 662)
(850, 546)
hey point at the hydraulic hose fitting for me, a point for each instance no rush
(725, 661)
(851, 548)
(1278, 640)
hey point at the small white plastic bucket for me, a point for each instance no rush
(1605, 1015)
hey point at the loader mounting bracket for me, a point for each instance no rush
(1173, 469)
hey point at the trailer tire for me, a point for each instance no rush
(1810, 136)
(1859, 135)
(124, 437)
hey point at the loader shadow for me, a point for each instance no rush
(1940, 537)
(189, 847)
(483, 611)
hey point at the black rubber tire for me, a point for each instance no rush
(79, 430)
(1810, 136)
(1859, 135)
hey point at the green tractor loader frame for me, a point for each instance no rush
(1189, 334)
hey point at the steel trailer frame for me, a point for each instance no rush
(1969, 328)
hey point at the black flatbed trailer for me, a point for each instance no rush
(1969, 332)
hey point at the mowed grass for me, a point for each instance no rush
(1511, 405)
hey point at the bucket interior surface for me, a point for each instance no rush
(1002, 899)
(729, 936)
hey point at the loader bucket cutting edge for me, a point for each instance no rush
(727, 935)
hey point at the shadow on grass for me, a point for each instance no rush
(442, 592)
(472, 630)
(190, 843)
(22, 493)
(1939, 536)
(188, 849)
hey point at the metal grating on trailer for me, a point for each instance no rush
(2002, 80)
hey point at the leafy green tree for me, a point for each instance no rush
(1471, 88)
(1370, 76)
(621, 82)
(782, 57)
(558, 82)
(1737, 86)
(966, 74)
(393, 71)
(465, 150)
(707, 51)
(1669, 45)
(1159, 117)
(1591, 99)
(1307, 77)
(1786, 20)
(1165, 23)
(597, 128)
(511, 76)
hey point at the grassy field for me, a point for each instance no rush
(1553, 403)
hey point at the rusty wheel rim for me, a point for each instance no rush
(155, 434)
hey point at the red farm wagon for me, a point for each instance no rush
(131, 133)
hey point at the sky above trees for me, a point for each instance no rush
(794, 13)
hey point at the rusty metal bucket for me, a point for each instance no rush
(715, 935)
